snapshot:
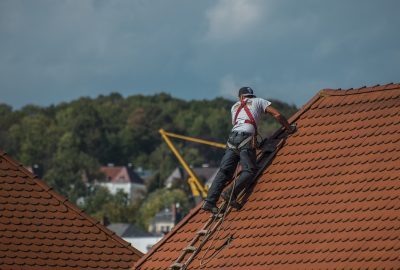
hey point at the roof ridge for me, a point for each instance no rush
(68, 204)
(359, 90)
(113, 166)
(335, 92)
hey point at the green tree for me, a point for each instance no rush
(34, 138)
(7, 119)
(100, 203)
(158, 200)
(70, 167)
(82, 120)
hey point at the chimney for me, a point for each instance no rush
(105, 221)
(173, 208)
(176, 212)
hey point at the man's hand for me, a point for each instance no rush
(280, 118)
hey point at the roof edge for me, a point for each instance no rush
(335, 92)
(70, 205)
(167, 236)
(360, 90)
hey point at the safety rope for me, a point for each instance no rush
(204, 261)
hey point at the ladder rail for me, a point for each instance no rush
(194, 240)
(203, 242)
(206, 232)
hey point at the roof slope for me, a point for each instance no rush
(329, 199)
(40, 229)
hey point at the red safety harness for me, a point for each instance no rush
(243, 105)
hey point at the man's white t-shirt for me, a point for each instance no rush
(256, 106)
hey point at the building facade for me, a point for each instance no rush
(122, 178)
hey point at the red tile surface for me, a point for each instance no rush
(39, 229)
(329, 200)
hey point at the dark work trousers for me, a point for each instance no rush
(247, 157)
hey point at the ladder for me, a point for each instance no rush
(269, 149)
(202, 235)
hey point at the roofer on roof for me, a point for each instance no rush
(241, 146)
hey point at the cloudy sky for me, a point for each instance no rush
(53, 51)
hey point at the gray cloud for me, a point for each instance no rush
(52, 51)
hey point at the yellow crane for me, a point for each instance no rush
(198, 190)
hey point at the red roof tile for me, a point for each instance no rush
(329, 199)
(39, 229)
(121, 174)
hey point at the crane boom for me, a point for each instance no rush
(198, 190)
(191, 139)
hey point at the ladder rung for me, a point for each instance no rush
(220, 215)
(190, 248)
(202, 232)
(176, 266)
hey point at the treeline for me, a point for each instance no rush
(69, 141)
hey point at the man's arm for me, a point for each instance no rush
(280, 118)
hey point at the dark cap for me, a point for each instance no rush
(246, 91)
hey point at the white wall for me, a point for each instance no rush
(133, 190)
(143, 243)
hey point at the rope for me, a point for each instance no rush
(203, 260)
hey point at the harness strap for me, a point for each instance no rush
(241, 144)
(252, 121)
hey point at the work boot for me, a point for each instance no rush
(210, 207)
(226, 195)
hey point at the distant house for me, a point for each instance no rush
(140, 239)
(123, 178)
(165, 220)
(205, 174)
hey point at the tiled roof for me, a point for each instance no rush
(127, 230)
(39, 229)
(328, 200)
